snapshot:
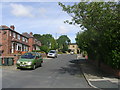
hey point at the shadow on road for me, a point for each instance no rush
(73, 68)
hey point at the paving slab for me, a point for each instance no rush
(96, 78)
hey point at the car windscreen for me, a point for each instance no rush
(28, 56)
(52, 52)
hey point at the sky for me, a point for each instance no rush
(39, 18)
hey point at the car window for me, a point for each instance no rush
(40, 55)
(52, 52)
(28, 56)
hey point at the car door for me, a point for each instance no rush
(37, 59)
(41, 58)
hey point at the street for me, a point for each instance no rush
(61, 72)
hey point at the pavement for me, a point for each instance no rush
(96, 78)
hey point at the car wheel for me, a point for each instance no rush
(40, 65)
(17, 68)
(34, 66)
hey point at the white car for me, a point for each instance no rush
(52, 53)
(71, 52)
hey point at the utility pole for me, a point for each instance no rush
(56, 36)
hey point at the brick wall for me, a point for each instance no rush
(31, 42)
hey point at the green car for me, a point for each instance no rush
(30, 60)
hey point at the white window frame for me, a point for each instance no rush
(10, 33)
(18, 36)
(23, 39)
(26, 40)
(14, 34)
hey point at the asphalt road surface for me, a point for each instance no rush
(61, 72)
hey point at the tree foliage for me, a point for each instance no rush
(48, 42)
(63, 42)
(101, 24)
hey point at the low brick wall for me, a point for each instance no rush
(110, 70)
(106, 68)
(15, 58)
(43, 55)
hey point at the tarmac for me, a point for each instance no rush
(97, 78)
(94, 77)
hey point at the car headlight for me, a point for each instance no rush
(29, 63)
(18, 62)
(53, 54)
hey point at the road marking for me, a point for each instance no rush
(111, 80)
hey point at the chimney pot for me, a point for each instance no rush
(12, 27)
(31, 33)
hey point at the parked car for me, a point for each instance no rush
(71, 52)
(52, 53)
(30, 60)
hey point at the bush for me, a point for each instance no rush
(44, 48)
(36, 50)
(60, 53)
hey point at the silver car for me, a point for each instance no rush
(52, 53)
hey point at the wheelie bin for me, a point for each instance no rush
(0, 61)
(5, 61)
(10, 61)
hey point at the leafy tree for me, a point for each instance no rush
(101, 36)
(47, 40)
(44, 48)
(63, 42)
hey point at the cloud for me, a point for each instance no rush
(42, 10)
(63, 30)
(21, 10)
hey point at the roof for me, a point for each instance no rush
(72, 44)
(27, 35)
(4, 27)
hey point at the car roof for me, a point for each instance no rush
(52, 50)
(36, 53)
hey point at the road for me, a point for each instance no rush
(61, 72)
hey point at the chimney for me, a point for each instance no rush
(12, 27)
(31, 33)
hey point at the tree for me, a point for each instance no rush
(101, 36)
(63, 42)
(47, 40)
(44, 48)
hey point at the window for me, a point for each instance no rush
(14, 35)
(23, 39)
(18, 37)
(19, 48)
(26, 40)
(10, 33)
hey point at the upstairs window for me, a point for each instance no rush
(14, 35)
(10, 33)
(26, 40)
(18, 36)
(23, 39)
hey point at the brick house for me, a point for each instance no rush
(12, 42)
(33, 43)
